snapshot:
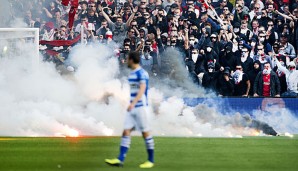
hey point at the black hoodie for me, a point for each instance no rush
(227, 57)
(252, 75)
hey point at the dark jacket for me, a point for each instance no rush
(209, 80)
(252, 76)
(225, 88)
(246, 65)
(274, 84)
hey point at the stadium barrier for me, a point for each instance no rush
(246, 105)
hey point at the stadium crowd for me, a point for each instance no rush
(235, 48)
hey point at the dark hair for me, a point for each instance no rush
(84, 16)
(134, 56)
(267, 63)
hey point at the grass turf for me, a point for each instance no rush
(88, 154)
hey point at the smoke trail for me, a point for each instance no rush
(174, 76)
(42, 102)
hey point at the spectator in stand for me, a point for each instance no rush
(209, 80)
(291, 78)
(49, 31)
(281, 75)
(241, 82)
(256, 13)
(253, 74)
(245, 61)
(267, 83)
(288, 47)
(243, 38)
(227, 57)
(225, 84)
(261, 56)
(118, 28)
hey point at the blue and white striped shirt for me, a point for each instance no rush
(137, 77)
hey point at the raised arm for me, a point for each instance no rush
(105, 15)
(131, 16)
(280, 67)
(141, 46)
(284, 15)
(48, 13)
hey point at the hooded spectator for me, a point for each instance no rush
(225, 84)
(210, 77)
(252, 74)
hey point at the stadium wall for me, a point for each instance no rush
(246, 105)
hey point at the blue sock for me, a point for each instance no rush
(150, 148)
(124, 146)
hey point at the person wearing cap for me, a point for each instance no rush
(291, 78)
(289, 48)
(48, 31)
(267, 83)
(225, 84)
(245, 61)
(227, 57)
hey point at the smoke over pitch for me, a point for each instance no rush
(41, 102)
(38, 101)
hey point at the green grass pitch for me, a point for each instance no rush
(189, 154)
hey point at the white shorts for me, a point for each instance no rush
(138, 118)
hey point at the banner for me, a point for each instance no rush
(246, 105)
(57, 46)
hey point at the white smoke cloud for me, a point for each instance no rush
(39, 101)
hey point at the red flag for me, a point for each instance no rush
(57, 46)
(73, 9)
(65, 2)
(75, 3)
(71, 16)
